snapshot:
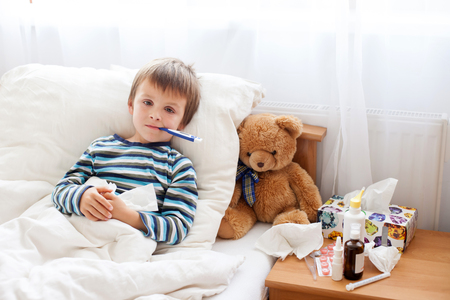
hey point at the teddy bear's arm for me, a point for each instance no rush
(305, 190)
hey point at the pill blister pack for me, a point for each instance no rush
(325, 260)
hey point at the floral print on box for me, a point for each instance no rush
(377, 240)
(395, 210)
(407, 208)
(398, 220)
(371, 228)
(329, 202)
(333, 235)
(328, 219)
(377, 217)
(396, 232)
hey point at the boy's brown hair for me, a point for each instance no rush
(173, 75)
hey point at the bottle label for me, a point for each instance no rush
(359, 263)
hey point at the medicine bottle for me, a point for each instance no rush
(354, 254)
(354, 215)
(337, 266)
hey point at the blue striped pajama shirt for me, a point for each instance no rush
(130, 165)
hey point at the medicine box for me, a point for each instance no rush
(395, 229)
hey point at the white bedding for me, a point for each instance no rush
(248, 282)
(47, 255)
(48, 116)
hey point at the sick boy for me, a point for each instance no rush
(164, 93)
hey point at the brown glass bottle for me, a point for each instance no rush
(354, 256)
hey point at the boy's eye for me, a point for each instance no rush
(147, 102)
(168, 109)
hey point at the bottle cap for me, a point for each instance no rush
(338, 248)
(355, 231)
(355, 202)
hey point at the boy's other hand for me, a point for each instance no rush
(94, 205)
(125, 214)
(119, 206)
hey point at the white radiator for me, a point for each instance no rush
(416, 143)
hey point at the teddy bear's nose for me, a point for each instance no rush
(260, 164)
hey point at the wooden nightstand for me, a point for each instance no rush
(423, 272)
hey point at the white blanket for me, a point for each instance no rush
(47, 255)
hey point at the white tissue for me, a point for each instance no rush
(376, 198)
(285, 239)
(140, 198)
(384, 258)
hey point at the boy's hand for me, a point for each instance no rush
(94, 205)
(117, 203)
(125, 214)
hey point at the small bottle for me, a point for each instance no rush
(354, 255)
(354, 215)
(337, 266)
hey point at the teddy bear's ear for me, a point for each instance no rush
(241, 126)
(292, 124)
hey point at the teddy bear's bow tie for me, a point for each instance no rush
(249, 177)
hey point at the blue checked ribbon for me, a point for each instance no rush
(249, 177)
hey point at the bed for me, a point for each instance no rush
(48, 116)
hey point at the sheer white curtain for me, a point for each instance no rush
(390, 54)
(347, 168)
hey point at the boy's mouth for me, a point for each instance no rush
(152, 127)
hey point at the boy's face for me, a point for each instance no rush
(152, 109)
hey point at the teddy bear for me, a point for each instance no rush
(270, 187)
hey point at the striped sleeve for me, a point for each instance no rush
(174, 219)
(67, 193)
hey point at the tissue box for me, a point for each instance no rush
(396, 229)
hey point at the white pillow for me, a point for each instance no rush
(50, 114)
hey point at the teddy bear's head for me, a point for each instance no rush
(268, 142)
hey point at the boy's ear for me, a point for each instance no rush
(130, 107)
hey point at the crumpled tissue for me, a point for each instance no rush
(377, 197)
(384, 258)
(285, 239)
(140, 198)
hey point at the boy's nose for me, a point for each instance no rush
(155, 116)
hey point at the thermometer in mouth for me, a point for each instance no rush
(182, 135)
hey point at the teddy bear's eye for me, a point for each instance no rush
(248, 154)
(274, 152)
